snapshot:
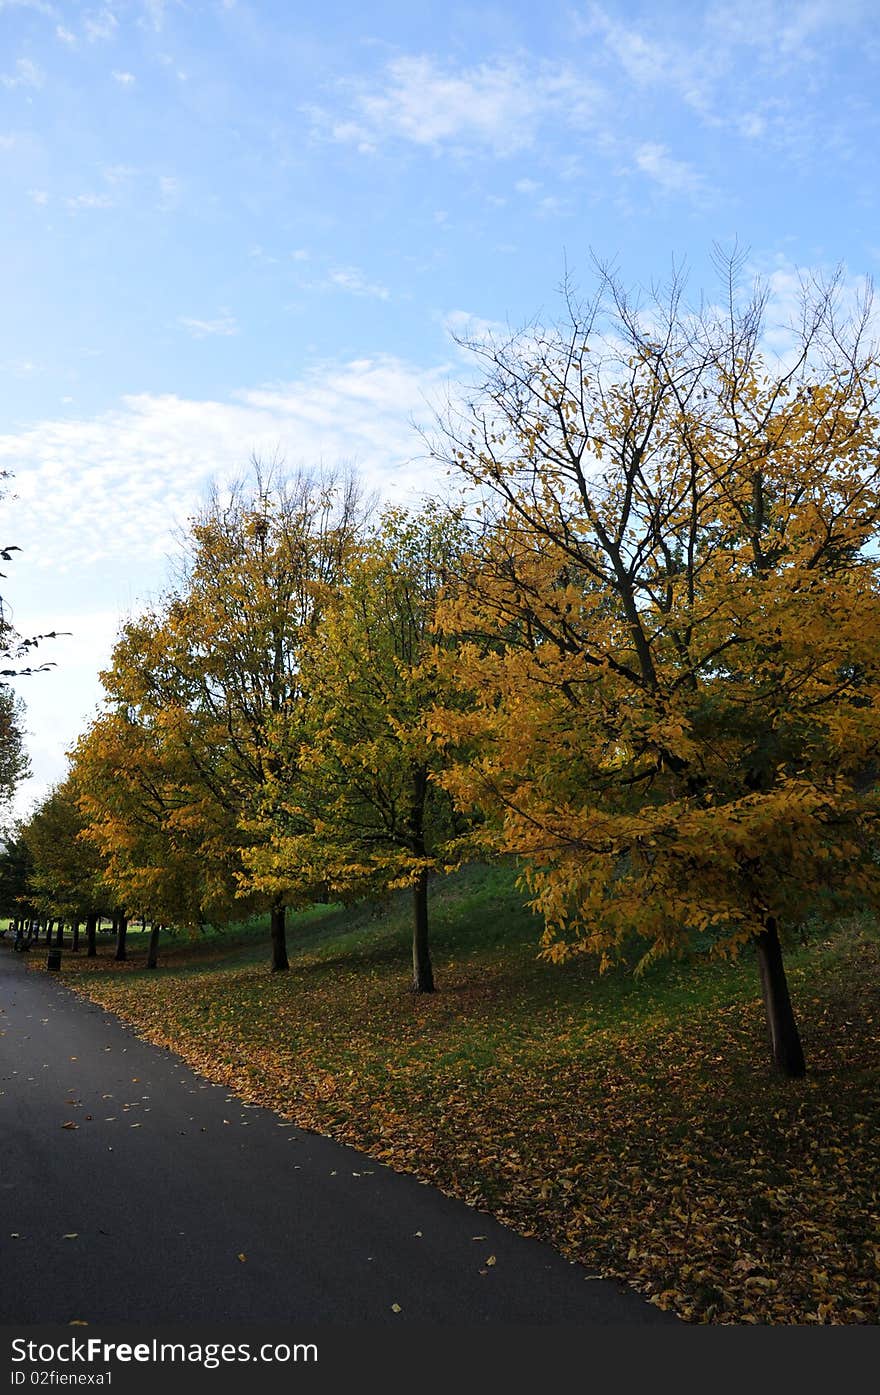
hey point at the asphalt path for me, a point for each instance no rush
(173, 1201)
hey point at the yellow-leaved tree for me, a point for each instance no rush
(366, 812)
(671, 634)
(197, 686)
(67, 875)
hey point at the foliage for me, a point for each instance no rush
(630, 1122)
(14, 763)
(365, 812)
(66, 874)
(671, 628)
(129, 801)
(195, 686)
(16, 866)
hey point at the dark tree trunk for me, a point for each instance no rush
(59, 937)
(50, 925)
(91, 934)
(74, 929)
(121, 925)
(785, 1042)
(278, 922)
(423, 973)
(153, 946)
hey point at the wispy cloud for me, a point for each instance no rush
(673, 176)
(99, 25)
(353, 280)
(114, 485)
(496, 106)
(78, 202)
(25, 74)
(153, 14)
(124, 79)
(741, 64)
(39, 6)
(223, 326)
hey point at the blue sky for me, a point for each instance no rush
(232, 227)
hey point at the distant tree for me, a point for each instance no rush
(136, 804)
(14, 763)
(66, 876)
(205, 675)
(366, 812)
(15, 875)
(672, 629)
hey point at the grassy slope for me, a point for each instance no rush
(633, 1123)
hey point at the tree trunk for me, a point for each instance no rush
(153, 945)
(50, 925)
(279, 939)
(91, 934)
(121, 920)
(74, 927)
(423, 973)
(59, 937)
(785, 1042)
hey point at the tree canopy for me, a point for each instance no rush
(671, 627)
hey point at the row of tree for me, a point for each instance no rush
(640, 654)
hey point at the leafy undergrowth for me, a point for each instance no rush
(632, 1123)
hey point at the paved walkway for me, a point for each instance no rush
(141, 1213)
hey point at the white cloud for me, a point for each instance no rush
(65, 36)
(100, 24)
(169, 192)
(40, 6)
(154, 14)
(223, 326)
(25, 74)
(81, 201)
(38, 196)
(465, 326)
(495, 106)
(785, 29)
(109, 487)
(118, 174)
(353, 280)
(123, 78)
(673, 176)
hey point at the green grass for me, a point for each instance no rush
(633, 1122)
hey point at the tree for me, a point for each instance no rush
(66, 876)
(672, 625)
(365, 812)
(206, 675)
(15, 876)
(14, 763)
(137, 810)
